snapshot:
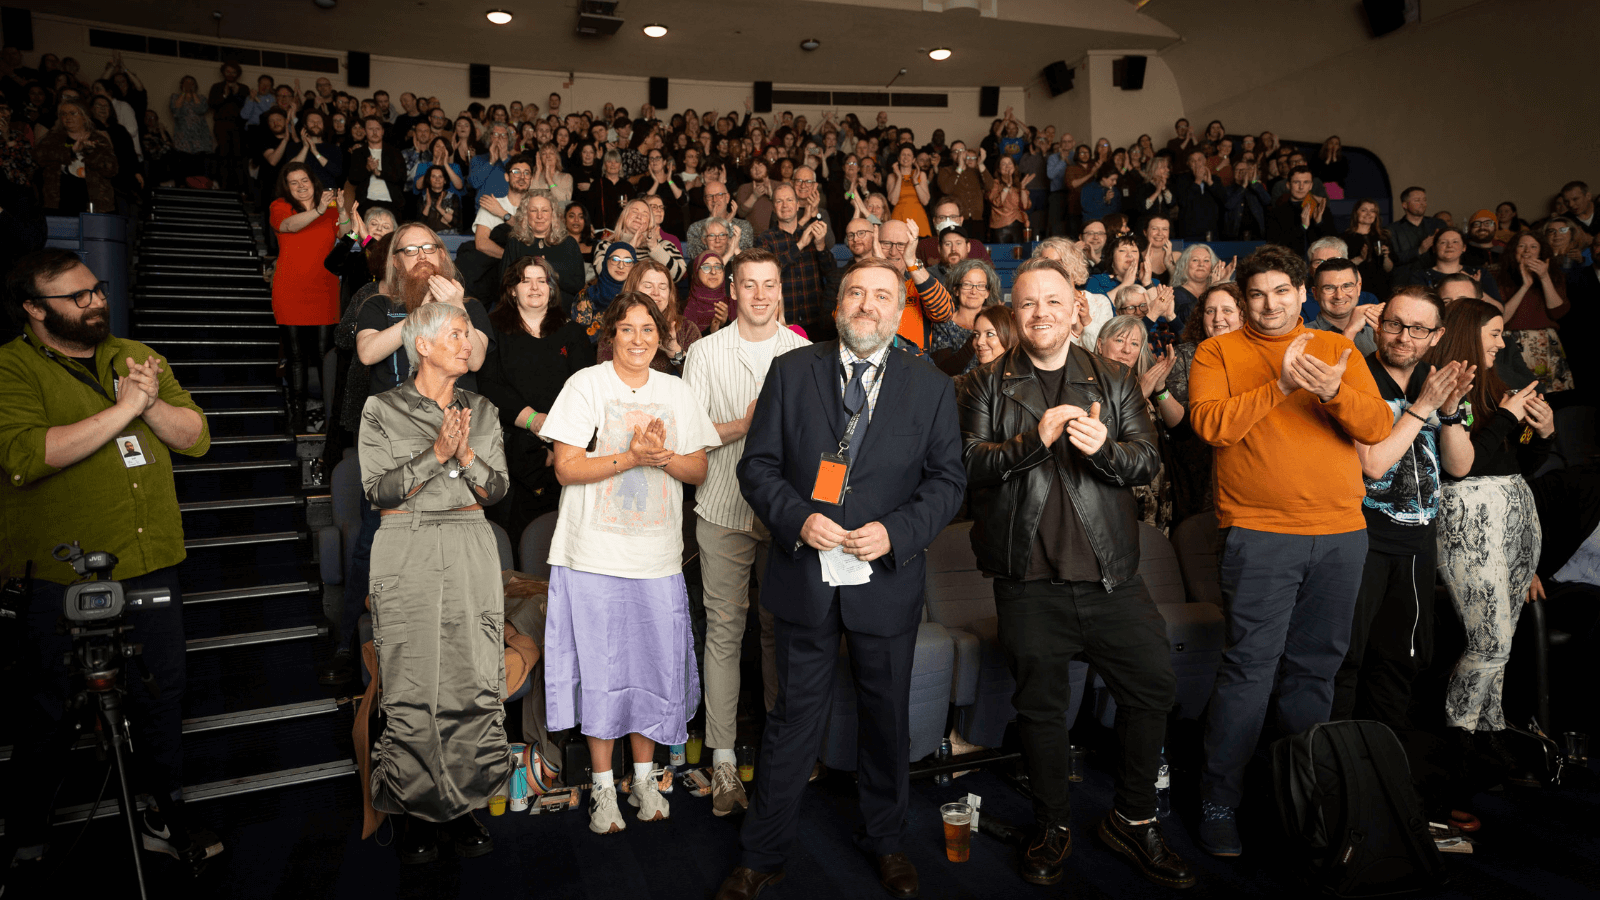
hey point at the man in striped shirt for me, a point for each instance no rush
(726, 371)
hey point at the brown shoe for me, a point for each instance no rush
(897, 875)
(745, 884)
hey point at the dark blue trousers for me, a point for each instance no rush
(881, 669)
(1288, 600)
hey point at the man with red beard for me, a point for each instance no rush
(419, 271)
(74, 400)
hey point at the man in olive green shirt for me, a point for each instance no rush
(73, 402)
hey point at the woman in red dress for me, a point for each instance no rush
(305, 295)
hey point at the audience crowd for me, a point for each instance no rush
(1361, 404)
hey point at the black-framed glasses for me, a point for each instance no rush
(975, 288)
(895, 246)
(862, 234)
(1417, 332)
(82, 298)
(414, 249)
(1138, 310)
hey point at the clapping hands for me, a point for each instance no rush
(649, 445)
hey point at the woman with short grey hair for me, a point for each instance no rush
(1125, 340)
(975, 286)
(432, 456)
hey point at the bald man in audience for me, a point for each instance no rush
(947, 214)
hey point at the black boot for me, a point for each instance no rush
(415, 840)
(338, 670)
(1147, 847)
(1042, 861)
(469, 836)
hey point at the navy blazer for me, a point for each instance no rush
(907, 475)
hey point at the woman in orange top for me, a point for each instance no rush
(908, 185)
(305, 295)
(1008, 203)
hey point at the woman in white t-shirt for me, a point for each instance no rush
(618, 648)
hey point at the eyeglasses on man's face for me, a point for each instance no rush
(1133, 310)
(82, 298)
(895, 246)
(413, 249)
(1395, 326)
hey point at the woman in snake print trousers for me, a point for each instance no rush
(1488, 545)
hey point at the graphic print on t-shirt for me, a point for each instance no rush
(636, 503)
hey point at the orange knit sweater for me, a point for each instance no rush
(1284, 464)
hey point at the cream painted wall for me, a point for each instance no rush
(1069, 113)
(448, 81)
(1484, 104)
(1122, 116)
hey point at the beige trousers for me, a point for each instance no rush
(728, 557)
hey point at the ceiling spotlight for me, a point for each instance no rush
(810, 44)
(939, 53)
(655, 31)
(498, 16)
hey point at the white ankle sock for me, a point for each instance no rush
(718, 757)
(603, 779)
(641, 771)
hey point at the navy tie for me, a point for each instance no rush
(855, 393)
(855, 401)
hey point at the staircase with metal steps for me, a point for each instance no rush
(255, 716)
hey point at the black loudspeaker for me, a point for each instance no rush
(1133, 73)
(358, 68)
(1058, 76)
(478, 81)
(988, 101)
(17, 27)
(762, 99)
(1383, 16)
(658, 93)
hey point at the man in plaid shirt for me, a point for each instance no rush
(804, 261)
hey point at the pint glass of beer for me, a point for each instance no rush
(957, 831)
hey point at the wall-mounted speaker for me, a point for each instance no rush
(988, 101)
(1058, 77)
(17, 27)
(1133, 73)
(478, 81)
(1383, 16)
(358, 66)
(761, 98)
(658, 94)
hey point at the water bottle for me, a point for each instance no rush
(1163, 786)
(943, 778)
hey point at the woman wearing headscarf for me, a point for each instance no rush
(710, 306)
(611, 272)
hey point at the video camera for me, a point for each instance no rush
(103, 600)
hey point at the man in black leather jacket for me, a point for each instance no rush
(1053, 439)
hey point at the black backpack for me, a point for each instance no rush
(1346, 802)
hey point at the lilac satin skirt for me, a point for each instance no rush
(619, 656)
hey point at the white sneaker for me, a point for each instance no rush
(647, 796)
(604, 817)
(727, 793)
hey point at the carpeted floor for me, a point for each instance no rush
(304, 843)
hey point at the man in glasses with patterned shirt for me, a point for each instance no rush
(88, 425)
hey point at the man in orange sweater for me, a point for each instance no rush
(1284, 408)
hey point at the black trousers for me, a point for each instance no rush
(43, 688)
(304, 347)
(1043, 625)
(881, 669)
(1391, 638)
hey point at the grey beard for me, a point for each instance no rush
(862, 345)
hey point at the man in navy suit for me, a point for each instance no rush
(890, 417)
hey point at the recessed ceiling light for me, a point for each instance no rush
(940, 53)
(810, 44)
(498, 16)
(655, 31)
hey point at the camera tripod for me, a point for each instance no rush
(96, 660)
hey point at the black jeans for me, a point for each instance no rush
(1391, 638)
(43, 687)
(1043, 625)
